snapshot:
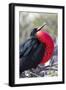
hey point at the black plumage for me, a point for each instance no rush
(31, 52)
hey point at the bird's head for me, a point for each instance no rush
(35, 30)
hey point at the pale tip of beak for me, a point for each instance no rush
(41, 27)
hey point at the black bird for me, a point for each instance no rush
(31, 52)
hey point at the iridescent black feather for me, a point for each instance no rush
(31, 52)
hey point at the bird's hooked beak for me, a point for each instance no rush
(35, 30)
(41, 27)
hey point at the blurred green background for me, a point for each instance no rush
(28, 21)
